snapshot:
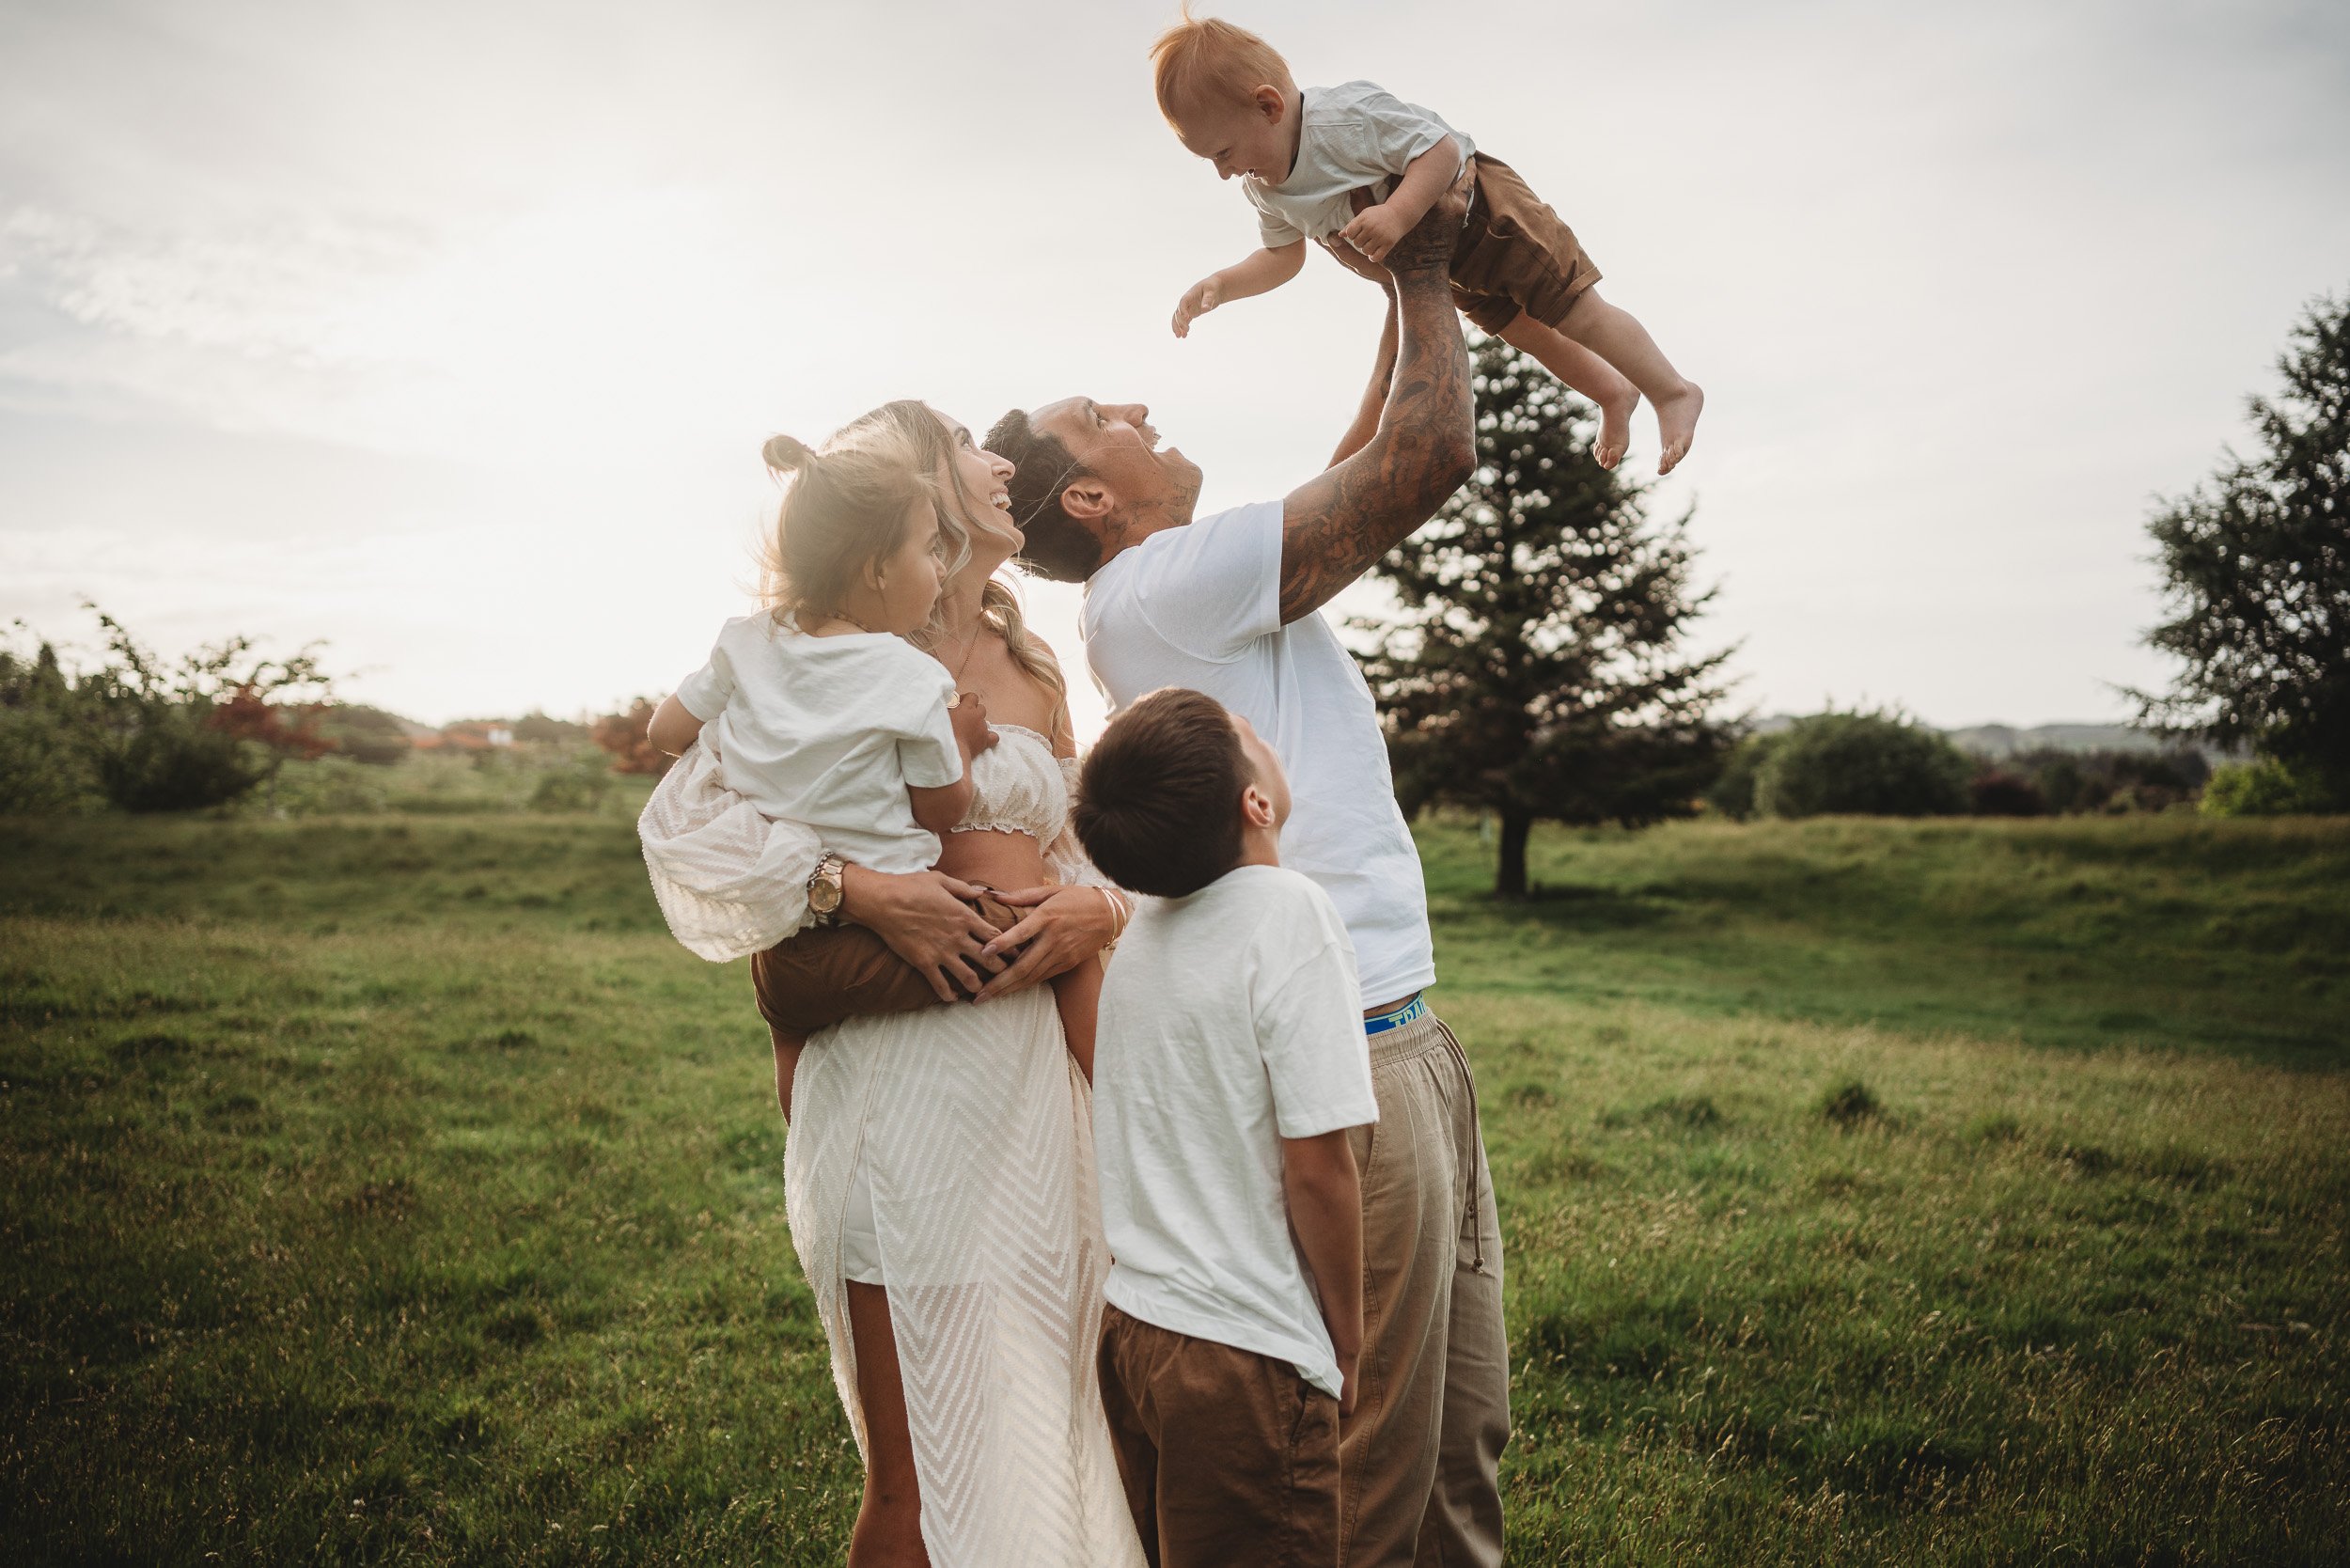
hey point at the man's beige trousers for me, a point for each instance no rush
(1419, 1459)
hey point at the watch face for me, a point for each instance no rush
(824, 895)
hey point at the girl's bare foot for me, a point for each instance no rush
(1615, 423)
(1677, 424)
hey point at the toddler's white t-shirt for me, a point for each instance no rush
(829, 732)
(1350, 136)
(1230, 1020)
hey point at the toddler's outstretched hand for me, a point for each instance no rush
(1200, 298)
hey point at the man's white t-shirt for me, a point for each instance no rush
(1230, 1020)
(1353, 136)
(829, 732)
(1201, 607)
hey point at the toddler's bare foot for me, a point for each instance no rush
(1677, 424)
(1615, 423)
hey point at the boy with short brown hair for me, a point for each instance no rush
(1230, 1069)
(1518, 272)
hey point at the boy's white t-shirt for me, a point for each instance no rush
(1350, 136)
(1201, 607)
(1230, 1021)
(829, 731)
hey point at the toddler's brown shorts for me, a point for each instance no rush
(817, 979)
(1514, 254)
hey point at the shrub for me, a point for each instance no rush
(2112, 779)
(579, 784)
(344, 786)
(151, 737)
(1733, 795)
(44, 771)
(2002, 794)
(365, 734)
(171, 760)
(627, 737)
(535, 726)
(2059, 777)
(1866, 764)
(2266, 788)
(1850, 1103)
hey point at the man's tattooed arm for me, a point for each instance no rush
(1334, 528)
(1375, 403)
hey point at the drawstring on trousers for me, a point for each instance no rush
(1477, 1143)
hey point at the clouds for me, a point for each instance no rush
(451, 332)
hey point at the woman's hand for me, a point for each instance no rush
(1066, 926)
(922, 916)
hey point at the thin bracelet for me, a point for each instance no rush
(1120, 914)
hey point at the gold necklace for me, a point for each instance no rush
(978, 629)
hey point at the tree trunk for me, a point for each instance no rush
(1510, 869)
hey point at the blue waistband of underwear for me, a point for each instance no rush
(1397, 1019)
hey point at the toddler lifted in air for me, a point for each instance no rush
(1517, 271)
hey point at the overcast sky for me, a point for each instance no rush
(450, 333)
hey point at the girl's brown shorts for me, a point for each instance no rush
(817, 979)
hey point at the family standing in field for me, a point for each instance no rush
(1190, 1258)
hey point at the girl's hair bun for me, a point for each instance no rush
(786, 454)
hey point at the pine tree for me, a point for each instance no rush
(2257, 562)
(1539, 669)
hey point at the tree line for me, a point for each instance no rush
(1543, 665)
(133, 731)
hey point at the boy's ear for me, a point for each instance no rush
(1270, 104)
(1256, 807)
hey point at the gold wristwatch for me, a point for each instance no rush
(824, 891)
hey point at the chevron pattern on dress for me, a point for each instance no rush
(975, 1131)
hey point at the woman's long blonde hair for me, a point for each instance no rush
(913, 427)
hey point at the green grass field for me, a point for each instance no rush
(391, 1189)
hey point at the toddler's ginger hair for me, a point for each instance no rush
(1205, 59)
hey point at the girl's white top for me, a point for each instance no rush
(829, 732)
(1354, 136)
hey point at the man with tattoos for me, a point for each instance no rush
(1228, 605)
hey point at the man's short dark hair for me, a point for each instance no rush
(1059, 546)
(1158, 801)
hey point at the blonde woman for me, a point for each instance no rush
(939, 1168)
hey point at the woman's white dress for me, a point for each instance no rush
(974, 1129)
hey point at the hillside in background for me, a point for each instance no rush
(2004, 740)
(1999, 741)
